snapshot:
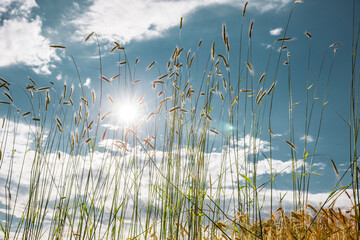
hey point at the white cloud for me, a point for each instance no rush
(276, 31)
(314, 199)
(50, 31)
(44, 69)
(111, 126)
(308, 139)
(141, 19)
(87, 82)
(144, 19)
(278, 166)
(59, 77)
(71, 167)
(17, 7)
(253, 145)
(262, 166)
(320, 165)
(22, 41)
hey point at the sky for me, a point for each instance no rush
(149, 30)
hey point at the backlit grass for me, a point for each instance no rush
(182, 160)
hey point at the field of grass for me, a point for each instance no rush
(91, 171)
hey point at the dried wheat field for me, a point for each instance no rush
(183, 119)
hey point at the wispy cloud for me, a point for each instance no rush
(276, 31)
(110, 126)
(17, 7)
(144, 19)
(76, 6)
(277, 134)
(320, 165)
(266, 45)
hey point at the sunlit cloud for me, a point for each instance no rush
(277, 135)
(22, 42)
(104, 161)
(145, 19)
(110, 126)
(252, 145)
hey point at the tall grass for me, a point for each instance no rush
(88, 174)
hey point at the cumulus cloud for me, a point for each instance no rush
(22, 41)
(23, 44)
(276, 31)
(252, 145)
(262, 166)
(278, 166)
(144, 19)
(71, 167)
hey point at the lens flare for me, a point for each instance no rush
(127, 112)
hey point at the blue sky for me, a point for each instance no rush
(149, 30)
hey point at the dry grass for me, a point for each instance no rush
(330, 223)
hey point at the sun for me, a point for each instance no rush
(127, 112)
